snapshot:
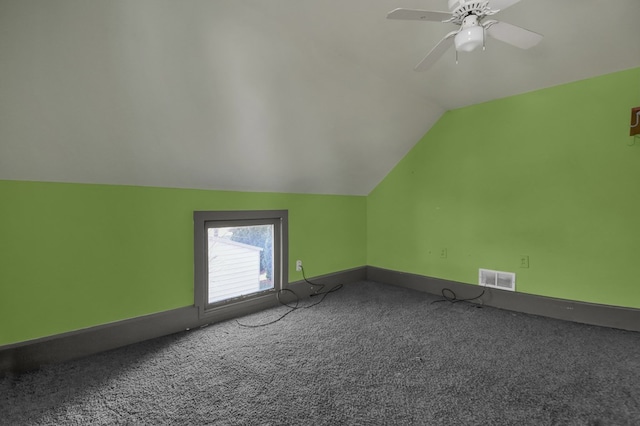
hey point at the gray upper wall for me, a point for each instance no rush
(284, 96)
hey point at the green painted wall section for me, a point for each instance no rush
(550, 174)
(77, 255)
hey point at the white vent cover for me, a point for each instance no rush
(497, 279)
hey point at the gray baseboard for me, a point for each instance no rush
(582, 312)
(33, 354)
(304, 289)
(36, 353)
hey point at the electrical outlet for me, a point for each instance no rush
(298, 265)
(443, 253)
(524, 261)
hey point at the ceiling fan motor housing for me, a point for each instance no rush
(466, 4)
(463, 8)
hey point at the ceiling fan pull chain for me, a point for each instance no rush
(484, 37)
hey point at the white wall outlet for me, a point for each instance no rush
(298, 265)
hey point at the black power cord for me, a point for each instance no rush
(322, 286)
(296, 306)
(452, 298)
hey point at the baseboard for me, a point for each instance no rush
(329, 280)
(33, 354)
(582, 312)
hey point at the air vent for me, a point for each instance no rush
(497, 279)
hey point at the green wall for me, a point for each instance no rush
(548, 174)
(78, 255)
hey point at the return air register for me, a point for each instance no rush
(497, 279)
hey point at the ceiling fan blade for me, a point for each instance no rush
(435, 54)
(513, 35)
(501, 4)
(419, 15)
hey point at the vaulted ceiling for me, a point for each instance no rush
(263, 95)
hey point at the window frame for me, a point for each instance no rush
(203, 220)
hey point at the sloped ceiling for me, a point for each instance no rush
(263, 95)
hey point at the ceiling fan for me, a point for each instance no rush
(470, 16)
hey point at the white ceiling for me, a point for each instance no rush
(311, 96)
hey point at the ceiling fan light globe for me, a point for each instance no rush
(469, 38)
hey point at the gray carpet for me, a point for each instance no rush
(370, 354)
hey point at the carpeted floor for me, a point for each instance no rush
(370, 354)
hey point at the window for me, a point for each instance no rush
(239, 256)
